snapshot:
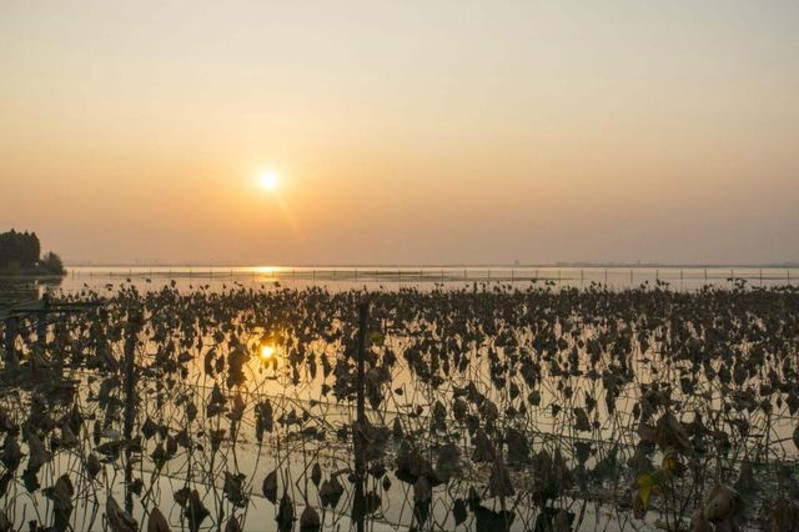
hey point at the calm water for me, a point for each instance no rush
(293, 456)
(374, 278)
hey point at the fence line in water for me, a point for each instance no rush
(610, 277)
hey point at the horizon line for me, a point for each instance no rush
(576, 264)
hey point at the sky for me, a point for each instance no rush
(413, 132)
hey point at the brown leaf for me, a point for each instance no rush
(156, 522)
(118, 519)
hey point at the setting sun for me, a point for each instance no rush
(269, 180)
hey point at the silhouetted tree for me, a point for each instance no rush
(19, 252)
(51, 263)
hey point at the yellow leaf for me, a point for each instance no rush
(645, 483)
(671, 460)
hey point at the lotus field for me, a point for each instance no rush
(485, 407)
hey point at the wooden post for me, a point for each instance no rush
(41, 339)
(41, 328)
(12, 362)
(359, 503)
(132, 330)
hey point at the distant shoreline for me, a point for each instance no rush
(31, 273)
(407, 266)
(29, 276)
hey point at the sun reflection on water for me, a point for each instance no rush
(267, 352)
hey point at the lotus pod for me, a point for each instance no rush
(699, 523)
(269, 487)
(234, 489)
(5, 523)
(499, 483)
(483, 448)
(316, 474)
(562, 522)
(38, 455)
(439, 419)
(309, 520)
(669, 432)
(459, 511)
(397, 431)
(12, 454)
(448, 463)
(68, 438)
(459, 409)
(149, 428)
(237, 411)
(722, 504)
(195, 511)
(331, 492)
(487, 520)
(61, 495)
(746, 479)
(93, 466)
(518, 447)
(581, 422)
(6, 424)
(285, 514)
(564, 475)
(233, 525)
(421, 490)
(782, 515)
(489, 411)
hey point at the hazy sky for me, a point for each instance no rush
(403, 132)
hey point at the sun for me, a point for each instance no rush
(269, 180)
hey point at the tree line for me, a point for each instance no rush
(21, 253)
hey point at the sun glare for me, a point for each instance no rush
(269, 180)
